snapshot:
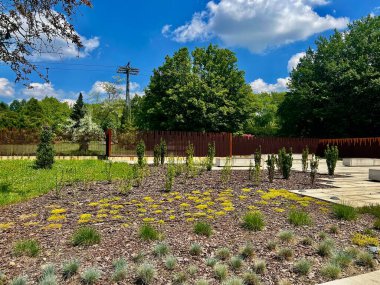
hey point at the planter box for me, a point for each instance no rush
(374, 174)
(352, 162)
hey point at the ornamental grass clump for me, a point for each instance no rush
(331, 271)
(326, 248)
(19, 280)
(286, 236)
(247, 251)
(70, 268)
(91, 276)
(236, 262)
(148, 232)
(29, 247)
(233, 281)
(195, 249)
(253, 221)
(331, 155)
(344, 212)
(48, 275)
(179, 278)
(260, 266)
(146, 273)
(342, 258)
(86, 236)
(211, 261)
(299, 218)
(202, 282)
(285, 253)
(365, 259)
(250, 278)
(222, 253)
(271, 162)
(220, 271)
(120, 270)
(161, 249)
(170, 262)
(302, 267)
(202, 228)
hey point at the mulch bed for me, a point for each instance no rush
(118, 217)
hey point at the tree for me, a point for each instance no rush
(204, 91)
(79, 110)
(334, 91)
(30, 27)
(45, 150)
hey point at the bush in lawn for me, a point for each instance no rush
(86, 236)
(210, 155)
(29, 247)
(331, 155)
(271, 161)
(156, 154)
(344, 212)
(140, 152)
(148, 232)
(146, 273)
(253, 221)
(299, 218)
(202, 228)
(314, 163)
(70, 268)
(163, 150)
(45, 150)
(90, 276)
(305, 158)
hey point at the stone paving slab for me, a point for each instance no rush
(371, 278)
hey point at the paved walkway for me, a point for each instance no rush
(371, 278)
(354, 188)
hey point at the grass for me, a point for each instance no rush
(27, 247)
(373, 210)
(146, 273)
(260, 266)
(23, 182)
(90, 276)
(202, 228)
(365, 259)
(236, 262)
(220, 271)
(344, 212)
(299, 218)
(70, 268)
(222, 253)
(20, 280)
(161, 249)
(195, 249)
(250, 278)
(342, 258)
(170, 262)
(302, 267)
(86, 236)
(325, 248)
(148, 232)
(247, 251)
(285, 253)
(286, 236)
(331, 271)
(253, 221)
(233, 281)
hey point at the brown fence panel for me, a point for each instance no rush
(353, 147)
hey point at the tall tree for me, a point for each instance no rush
(204, 91)
(335, 89)
(79, 110)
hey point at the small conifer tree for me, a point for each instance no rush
(45, 150)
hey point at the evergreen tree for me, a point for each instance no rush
(45, 150)
(79, 110)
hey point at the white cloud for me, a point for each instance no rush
(98, 87)
(166, 29)
(6, 88)
(260, 86)
(257, 24)
(40, 90)
(294, 60)
(69, 102)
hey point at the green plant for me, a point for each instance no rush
(365, 259)
(91, 275)
(334, 229)
(322, 235)
(250, 278)
(170, 175)
(29, 247)
(161, 249)
(236, 262)
(48, 269)
(45, 150)
(210, 155)
(226, 172)
(376, 224)
(342, 258)
(307, 241)
(271, 161)
(108, 170)
(19, 280)
(331, 271)
(272, 245)
(148, 232)
(211, 261)
(285, 253)
(170, 262)
(156, 155)
(253, 221)
(247, 251)
(195, 249)
(138, 257)
(285, 161)
(299, 218)
(120, 270)
(302, 267)
(260, 266)
(222, 253)
(140, 152)
(190, 159)
(203, 228)
(325, 248)
(257, 156)
(125, 186)
(220, 271)
(286, 236)
(70, 268)
(305, 157)
(85, 236)
(201, 282)
(48, 280)
(233, 281)
(314, 163)
(179, 278)
(163, 150)
(373, 210)
(344, 212)
(146, 273)
(331, 155)
(192, 269)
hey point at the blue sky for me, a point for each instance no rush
(268, 38)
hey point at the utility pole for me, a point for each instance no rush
(128, 71)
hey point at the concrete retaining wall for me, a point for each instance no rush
(352, 162)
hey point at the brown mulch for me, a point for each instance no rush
(119, 230)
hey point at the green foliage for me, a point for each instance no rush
(271, 161)
(272, 245)
(148, 232)
(299, 218)
(342, 258)
(365, 259)
(253, 221)
(336, 78)
(170, 262)
(195, 249)
(220, 271)
(203, 228)
(91, 276)
(201, 282)
(120, 270)
(211, 261)
(170, 175)
(48, 275)
(260, 266)
(307, 241)
(210, 155)
(331, 271)
(163, 150)
(257, 156)
(45, 150)
(247, 251)
(140, 152)
(222, 253)
(302, 267)
(331, 155)
(286, 236)
(79, 110)
(285, 253)
(190, 160)
(344, 212)
(70, 268)
(285, 162)
(192, 269)
(146, 273)
(28, 247)
(85, 236)
(305, 158)
(156, 155)
(226, 172)
(325, 248)
(236, 262)
(19, 280)
(250, 278)
(161, 249)
(373, 210)
(257, 171)
(204, 91)
(251, 171)
(180, 278)
(314, 163)
(233, 281)
(376, 224)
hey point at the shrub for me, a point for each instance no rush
(331, 155)
(19, 280)
(331, 271)
(236, 262)
(314, 163)
(91, 276)
(140, 152)
(203, 228)
(222, 253)
(226, 172)
(250, 278)
(253, 221)
(70, 268)
(286, 236)
(299, 218)
(344, 212)
(210, 155)
(146, 273)
(190, 157)
(365, 240)
(220, 271)
(156, 155)
(161, 249)
(233, 281)
(286, 162)
(325, 248)
(163, 150)
(271, 161)
(211, 261)
(195, 249)
(302, 267)
(342, 258)
(365, 259)
(285, 253)
(247, 251)
(305, 158)
(29, 247)
(45, 150)
(148, 232)
(170, 262)
(257, 157)
(86, 236)
(260, 266)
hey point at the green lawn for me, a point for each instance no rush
(19, 181)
